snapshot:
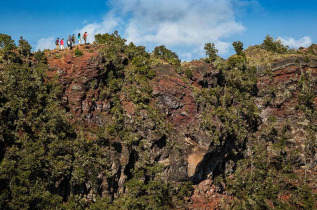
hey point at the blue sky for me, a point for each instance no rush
(182, 25)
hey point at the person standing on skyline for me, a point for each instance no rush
(85, 37)
(79, 38)
(73, 40)
(57, 43)
(69, 42)
(62, 44)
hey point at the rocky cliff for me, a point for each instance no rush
(184, 151)
(112, 126)
(171, 95)
(279, 92)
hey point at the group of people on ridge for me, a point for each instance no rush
(71, 41)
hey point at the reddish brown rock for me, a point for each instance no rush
(173, 96)
(285, 86)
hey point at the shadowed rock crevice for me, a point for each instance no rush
(175, 99)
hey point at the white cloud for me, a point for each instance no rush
(45, 43)
(106, 26)
(223, 47)
(174, 23)
(305, 41)
(186, 56)
(178, 22)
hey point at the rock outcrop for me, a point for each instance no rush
(284, 83)
(173, 95)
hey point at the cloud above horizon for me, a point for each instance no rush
(108, 25)
(45, 43)
(305, 41)
(176, 24)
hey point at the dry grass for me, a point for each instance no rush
(260, 57)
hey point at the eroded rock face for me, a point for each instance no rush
(204, 74)
(74, 74)
(173, 96)
(282, 105)
(284, 84)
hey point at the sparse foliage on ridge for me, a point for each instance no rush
(163, 53)
(7, 45)
(238, 47)
(211, 52)
(274, 46)
(48, 162)
(24, 47)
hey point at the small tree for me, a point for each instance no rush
(113, 41)
(238, 47)
(7, 46)
(163, 53)
(274, 46)
(211, 52)
(268, 43)
(24, 48)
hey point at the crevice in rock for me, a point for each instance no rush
(132, 160)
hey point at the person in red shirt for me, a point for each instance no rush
(62, 44)
(85, 37)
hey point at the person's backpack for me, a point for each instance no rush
(56, 42)
(85, 35)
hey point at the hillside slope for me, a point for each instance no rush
(116, 127)
(173, 95)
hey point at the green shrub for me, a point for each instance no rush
(211, 52)
(306, 59)
(274, 46)
(312, 49)
(24, 47)
(57, 55)
(143, 66)
(78, 52)
(189, 74)
(7, 46)
(40, 56)
(113, 39)
(237, 61)
(163, 53)
(238, 47)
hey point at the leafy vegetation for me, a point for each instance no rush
(259, 168)
(50, 159)
(24, 47)
(46, 162)
(312, 49)
(78, 52)
(38, 139)
(163, 53)
(211, 52)
(274, 46)
(229, 111)
(189, 73)
(238, 47)
(7, 46)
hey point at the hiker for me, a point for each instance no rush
(85, 37)
(74, 40)
(57, 43)
(69, 42)
(79, 38)
(62, 44)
